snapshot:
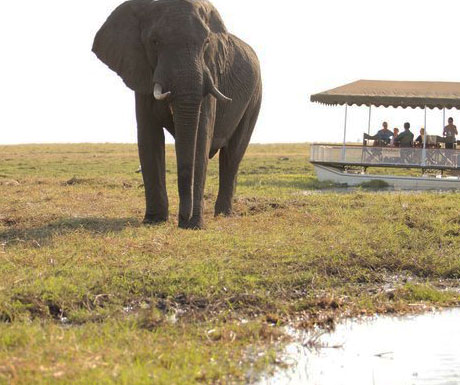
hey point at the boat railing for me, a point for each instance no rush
(369, 156)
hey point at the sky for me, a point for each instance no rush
(54, 90)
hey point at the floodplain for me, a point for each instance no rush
(90, 296)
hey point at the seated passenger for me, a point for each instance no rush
(450, 133)
(405, 138)
(395, 135)
(421, 138)
(383, 137)
(384, 134)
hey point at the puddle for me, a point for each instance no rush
(412, 350)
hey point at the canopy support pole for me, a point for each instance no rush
(370, 117)
(424, 142)
(345, 133)
(443, 118)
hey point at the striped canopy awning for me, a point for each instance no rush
(393, 94)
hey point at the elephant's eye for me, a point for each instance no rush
(155, 42)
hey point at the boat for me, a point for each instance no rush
(349, 164)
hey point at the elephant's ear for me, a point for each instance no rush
(118, 44)
(212, 17)
(217, 26)
(215, 22)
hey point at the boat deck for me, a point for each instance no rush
(366, 156)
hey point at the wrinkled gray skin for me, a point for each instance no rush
(207, 90)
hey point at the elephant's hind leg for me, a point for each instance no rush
(151, 142)
(230, 158)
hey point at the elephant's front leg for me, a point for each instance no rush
(204, 139)
(151, 142)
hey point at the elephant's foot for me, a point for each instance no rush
(224, 209)
(223, 212)
(154, 219)
(196, 223)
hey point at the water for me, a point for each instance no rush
(416, 350)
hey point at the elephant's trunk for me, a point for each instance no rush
(186, 120)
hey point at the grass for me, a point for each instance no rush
(375, 185)
(90, 296)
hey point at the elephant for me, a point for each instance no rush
(193, 78)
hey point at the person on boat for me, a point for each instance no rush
(393, 138)
(405, 138)
(450, 133)
(382, 138)
(421, 138)
(384, 134)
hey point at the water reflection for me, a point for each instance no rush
(414, 350)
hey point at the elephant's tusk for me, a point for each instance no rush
(158, 92)
(219, 95)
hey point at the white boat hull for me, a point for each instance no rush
(330, 174)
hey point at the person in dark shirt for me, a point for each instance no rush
(450, 133)
(405, 138)
(421, 138)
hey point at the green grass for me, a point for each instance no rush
(90, 296)
(375, 185)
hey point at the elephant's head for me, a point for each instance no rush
(173, 49)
